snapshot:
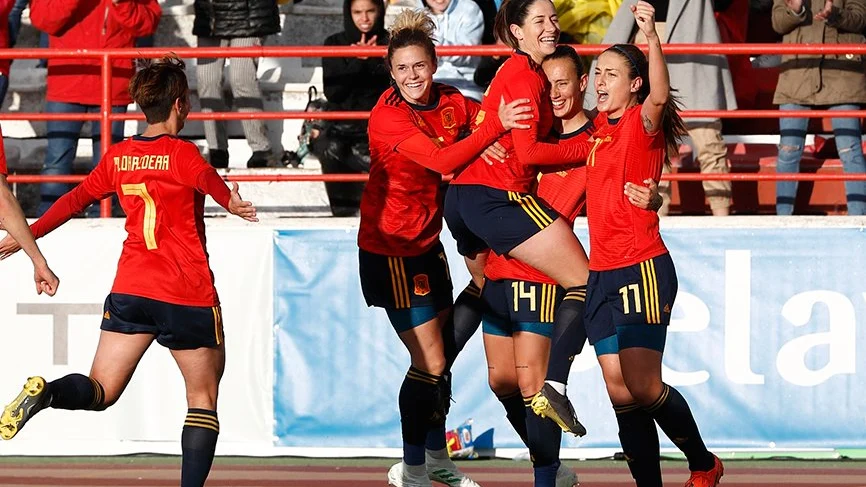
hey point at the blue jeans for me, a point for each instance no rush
(848, 139)
(63, 143)
(4, 85)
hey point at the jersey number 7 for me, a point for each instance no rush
(149, 230)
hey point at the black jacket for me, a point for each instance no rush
(230, 19)
(353, 83)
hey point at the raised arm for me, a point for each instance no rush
(140, 17)
(660, 83)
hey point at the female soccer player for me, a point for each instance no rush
(490, 206)
(161, 182)
(12, 220)
(521, 301)
(415, 131)
(632, 280)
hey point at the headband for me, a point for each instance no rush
(625, 53)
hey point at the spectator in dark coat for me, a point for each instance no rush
(233, 23)
(351, 83)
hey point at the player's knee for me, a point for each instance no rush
(501, 383)
(530, 386)
(644, 390)
(431, 363)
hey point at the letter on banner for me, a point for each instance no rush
(738, 318)
(694, 316)
(842, 338)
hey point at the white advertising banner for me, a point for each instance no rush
(56, 336)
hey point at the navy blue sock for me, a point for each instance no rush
(544, 438)
(435, 438)
(465, 320)
(546, 476)
(569, 334)
(76, 392)
(198, 442)
(640, 444)
(515, 411)
(417, 405)
(672, 413)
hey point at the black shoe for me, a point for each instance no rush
(552, 405)
(260, 158)
(32, 399)
(219, 158)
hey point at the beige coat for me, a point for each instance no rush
(821, 80)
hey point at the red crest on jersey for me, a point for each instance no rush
(448, 119)
(422, 285)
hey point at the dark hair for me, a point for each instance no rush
(567, 52)
(673, 127)
(156, 86)
(411, 28)
(511, 12)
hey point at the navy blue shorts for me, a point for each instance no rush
(624, 302)
(481, 218)
(513, 306)
(176, 327)
(411, 289)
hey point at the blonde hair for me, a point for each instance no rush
(411, 28)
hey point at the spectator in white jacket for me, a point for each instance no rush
(458, 23)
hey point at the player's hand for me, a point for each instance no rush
(644, 15)
(494, 153)
(241, 208)
(45, 279)
(827, 12)
(644, 197)
(8, 246)
(510, 114)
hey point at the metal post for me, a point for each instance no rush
(105, 124)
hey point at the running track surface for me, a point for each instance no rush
(149, 472)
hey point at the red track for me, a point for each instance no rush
(108, 474)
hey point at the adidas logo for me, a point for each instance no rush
(107, 316)
(667, 308)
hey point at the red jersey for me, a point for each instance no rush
(161, 183)
(621, 234)
(3, 169)
(411, 146)
(520, 77)
(565, 192)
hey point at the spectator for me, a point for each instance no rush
(807, 81)
(351, 83)
(458, 23)
(488, 11)
(233, 23)
(73, 83)
(5, 8)
(703, 82)
(14, 18)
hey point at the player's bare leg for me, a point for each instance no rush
(202, 370)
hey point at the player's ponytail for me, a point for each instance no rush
(673, 127)
(157, 84)
(411, 28)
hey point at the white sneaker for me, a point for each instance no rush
(398, 476)
(446, 472)
(565, 477)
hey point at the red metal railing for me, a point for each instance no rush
(105, 117)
